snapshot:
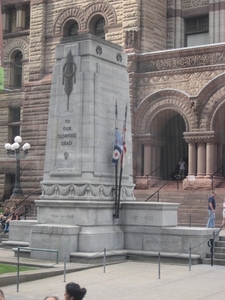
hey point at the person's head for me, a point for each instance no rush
(13, 209)
(51, 298)
(213, 193)
(7, 209)
(2, 296)
(74, 292)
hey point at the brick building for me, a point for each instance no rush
(176, 62)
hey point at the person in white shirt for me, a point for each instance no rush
(223, 222)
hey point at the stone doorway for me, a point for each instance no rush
(174, 147)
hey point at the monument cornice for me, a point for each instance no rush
(202, 137)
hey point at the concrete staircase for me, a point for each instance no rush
(193, 203)
(219, 253)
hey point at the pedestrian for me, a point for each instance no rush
(14, 213)
(51, 298)
(74, 292)
(6, 219)
(182, 168)
(211, 210)
(223, 222)
(2, 296)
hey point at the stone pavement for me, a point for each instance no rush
(127, 280)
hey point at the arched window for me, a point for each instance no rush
(16, 69)
(73, 29)
(70, 28)
(96, 26)
(99, 28)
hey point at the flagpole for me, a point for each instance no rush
(116, 171)
(122, 157)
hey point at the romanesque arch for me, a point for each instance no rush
(210, 100)
(160, 121)
(105, 9)
(164, 100)
(19, 44)
(71, 13)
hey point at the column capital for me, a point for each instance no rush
(202, 137)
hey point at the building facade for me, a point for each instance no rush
(176, 62)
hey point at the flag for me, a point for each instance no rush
(118, 147)
(122, 161)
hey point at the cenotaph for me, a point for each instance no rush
(76, 209)
(76, 212)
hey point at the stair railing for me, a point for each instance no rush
(211, 243)
(211, 176)
(153, 172)
(157, 192)
(26, 207)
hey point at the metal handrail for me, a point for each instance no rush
(153, 172)
(35, 249)
(211, 176)
(19, 207)
(158, 191)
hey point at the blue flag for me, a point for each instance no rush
(118, 147)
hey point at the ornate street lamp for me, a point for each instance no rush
(13, 150)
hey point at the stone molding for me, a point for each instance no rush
(179, 59)
(147, 139)
(84, 192)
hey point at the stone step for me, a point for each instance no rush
(217, 262)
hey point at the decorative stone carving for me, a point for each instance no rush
(69, 78)
(182, 62)
(193, 3)
(131, 40)
(85, 192)
(98, 50)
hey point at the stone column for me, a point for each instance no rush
(147, 159)
(158, 152)
(192, 159)
(5, 20)
(219, 158)
(222, 23)
(210, 158)
(201, 160)
(139, 160)
(19, 17)
(153, 159)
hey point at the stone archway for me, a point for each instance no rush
(159, 117)
(174, 147)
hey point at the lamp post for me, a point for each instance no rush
(13, 150)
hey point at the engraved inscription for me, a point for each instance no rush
(67, 134)
(146, 218)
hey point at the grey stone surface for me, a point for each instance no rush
(80, 136)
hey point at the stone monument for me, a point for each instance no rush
(76, 212)
(76, 209)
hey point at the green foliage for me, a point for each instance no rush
(4, 268)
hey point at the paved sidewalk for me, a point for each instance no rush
(132, 281)
(127, 280)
